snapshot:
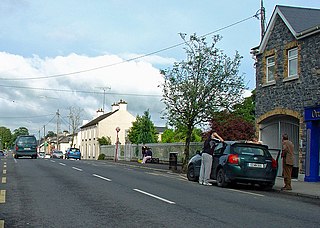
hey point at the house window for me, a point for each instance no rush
(293, 62)
(270, 69)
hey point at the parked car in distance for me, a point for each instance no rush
(25, 145)
(73, 153)
(238, 162)
(41, 155)
(57, 154)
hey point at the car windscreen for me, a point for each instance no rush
(74, 150)
(27, 140)
(250, 150)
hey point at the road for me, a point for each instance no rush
(71, 193)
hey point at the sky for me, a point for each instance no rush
(57, 54)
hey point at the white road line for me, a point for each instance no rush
(2, 196)
(103, 178)
(52, 161)
(250, 193)
(77, 169)
(62, 164)
(154, 196)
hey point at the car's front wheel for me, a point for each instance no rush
(221, 179)
(191, 174)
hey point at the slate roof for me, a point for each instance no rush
(301, 22)
(98, 119)
(301, 19)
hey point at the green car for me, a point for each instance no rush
(238, 162)
(25, 145)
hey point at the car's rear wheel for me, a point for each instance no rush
(191, 174)
(221, 179)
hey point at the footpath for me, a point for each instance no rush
(299, 187)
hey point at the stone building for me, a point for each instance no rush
(288, 86)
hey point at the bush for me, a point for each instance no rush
(101, 157)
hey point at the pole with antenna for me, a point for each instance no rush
(104, 95)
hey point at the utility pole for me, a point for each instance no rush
(104, 95)
(263, 19)
(58, 128)
(44, 138)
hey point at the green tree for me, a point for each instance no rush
(5, 137)
(246, 109)
(18, 132)
(206, 82)
(104, 140)
(51, 134)
(179, 135)
(143, 130)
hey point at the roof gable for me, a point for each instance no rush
(301, 22)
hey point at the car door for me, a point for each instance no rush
(218, 152)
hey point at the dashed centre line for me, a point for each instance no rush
(103, 178)
(62, 164)
(2, 196)
(4, 180)
(77, 169)
(154, 196)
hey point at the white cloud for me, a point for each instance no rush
(127, 81)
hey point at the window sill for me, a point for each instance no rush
(269, 84)
(291, 78)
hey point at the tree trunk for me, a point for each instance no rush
(186, 150)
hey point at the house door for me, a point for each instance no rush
(271, 131)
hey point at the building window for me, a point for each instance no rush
(270, 69)
(293, 62)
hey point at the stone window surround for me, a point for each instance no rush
(289, 46)
(266, 55)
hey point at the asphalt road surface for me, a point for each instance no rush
(71, 193)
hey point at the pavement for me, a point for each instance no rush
(300, 188)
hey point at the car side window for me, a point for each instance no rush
(219, 149)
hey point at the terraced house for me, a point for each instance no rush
(288, 85)
(105, 125)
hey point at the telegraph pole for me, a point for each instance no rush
(44, 138)
(263, 19)
(58, 127)
(104, 95)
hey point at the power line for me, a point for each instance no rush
(131, 59)
(79, 91)
(23, 117)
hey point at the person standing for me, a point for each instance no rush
(206, 157)
(287, 161)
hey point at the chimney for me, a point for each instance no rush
(115, 107)
(100, 112)
(122, 105)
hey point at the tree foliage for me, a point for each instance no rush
(5, 137)
(104, 140)
(231, 126)
(246, 109)
(18, 132)
(143, 130)
(206, 82)
(179, 135)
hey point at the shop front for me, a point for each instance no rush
(312, 166)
